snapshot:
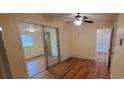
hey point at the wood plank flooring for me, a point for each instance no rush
(75, 68)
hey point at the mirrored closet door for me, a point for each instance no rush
(51, 36)
(40, 46)
(33, 47)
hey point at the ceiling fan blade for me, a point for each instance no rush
(87, 21)
(69, 21)
(85, 17)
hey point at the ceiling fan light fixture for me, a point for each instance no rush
(78, 22)
(1, 29)
(31, 30)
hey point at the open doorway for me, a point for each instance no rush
(103, 45)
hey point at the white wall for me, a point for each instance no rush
(103, 40)
(83, 40)
(117, 64)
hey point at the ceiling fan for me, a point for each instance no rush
(78, 19)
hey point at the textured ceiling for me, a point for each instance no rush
(96, 17)
(92, 16)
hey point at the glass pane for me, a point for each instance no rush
(51, 46)
(32, 40)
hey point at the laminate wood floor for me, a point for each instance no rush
(75, 68)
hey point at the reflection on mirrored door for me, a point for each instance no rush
(51, 45)
(33, 47)
(40, 45)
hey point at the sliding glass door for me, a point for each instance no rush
(51, 36)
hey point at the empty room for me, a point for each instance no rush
(66, 46)
(61, 45)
